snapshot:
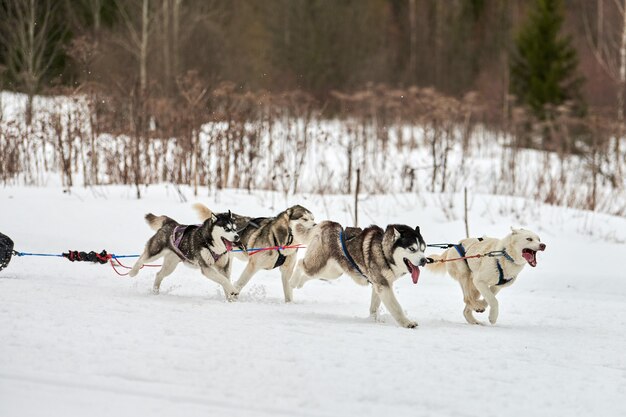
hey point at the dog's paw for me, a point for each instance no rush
(480, 306)
(133, 273)
(409, 324)
(155, 290)
(375, 317)
(232, 296)
(493, 318)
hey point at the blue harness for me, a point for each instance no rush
(349, 258)
(501, 280)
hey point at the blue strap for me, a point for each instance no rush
(37, 254)
(461, 250)
(349, 258)
(501, 279)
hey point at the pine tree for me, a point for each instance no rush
(544, 64)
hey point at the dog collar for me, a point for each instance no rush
(216, 256)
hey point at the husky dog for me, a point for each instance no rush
(486, 276)
(370, 255)
(288, 228)
(204, 246)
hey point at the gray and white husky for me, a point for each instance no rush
(370, 255)
(486, 276)
(288, 228)
(206, 246)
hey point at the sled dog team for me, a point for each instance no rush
(372, 255)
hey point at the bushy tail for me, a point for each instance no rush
(437, 267)
(203, 211)
(156, 222)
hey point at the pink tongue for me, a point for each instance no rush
(415, 273)
(530, 258)
(229, 245)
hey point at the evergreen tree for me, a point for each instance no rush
(544, 65)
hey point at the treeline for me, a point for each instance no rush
(152, 75)
(454, 46)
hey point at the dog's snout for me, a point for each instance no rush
(236, 237)
(422, 261)
(542, 246)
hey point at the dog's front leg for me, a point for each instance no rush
(490, 298)
(286, 271)
(375, 304)
(385, 292)
(212, 274)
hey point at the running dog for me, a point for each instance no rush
(289, 228)
(371, 255)
(486, 276)
(206, 246)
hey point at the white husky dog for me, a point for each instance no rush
(486, 276)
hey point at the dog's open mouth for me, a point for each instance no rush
(413, 270)
(228, 244)
(530, 256)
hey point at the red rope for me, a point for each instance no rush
(434, 261)
(121, 265)
(253, 252)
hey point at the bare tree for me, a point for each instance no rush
(31, 40)
(609, 49)
(136, 40)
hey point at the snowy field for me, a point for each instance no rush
(77, 340)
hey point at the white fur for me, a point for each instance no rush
(482, 276)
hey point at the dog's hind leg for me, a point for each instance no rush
(170, 262)
(490, 298)
(143, 259)
(374, 304)
(471, 295)
(286, 271)
(246, 276)
(385, 292)
(468, 313)
(212, 274)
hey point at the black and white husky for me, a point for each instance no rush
(206, 246)
(370, 255)
(288, 228)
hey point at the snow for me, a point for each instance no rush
(76, 339)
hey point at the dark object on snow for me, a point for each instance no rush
(6, 251)
(100, 258)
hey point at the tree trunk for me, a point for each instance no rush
(412, 42)
(167, 64)
(620, 102)
(143, 53)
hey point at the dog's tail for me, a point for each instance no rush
(437, 267)
(203, 211)
(156, 222)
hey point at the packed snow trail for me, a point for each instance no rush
(76, 339)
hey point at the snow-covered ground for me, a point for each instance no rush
(77, 340)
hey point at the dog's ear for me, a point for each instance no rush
(213, 217)
(417, 230)
(396, 234)
(230, 215)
